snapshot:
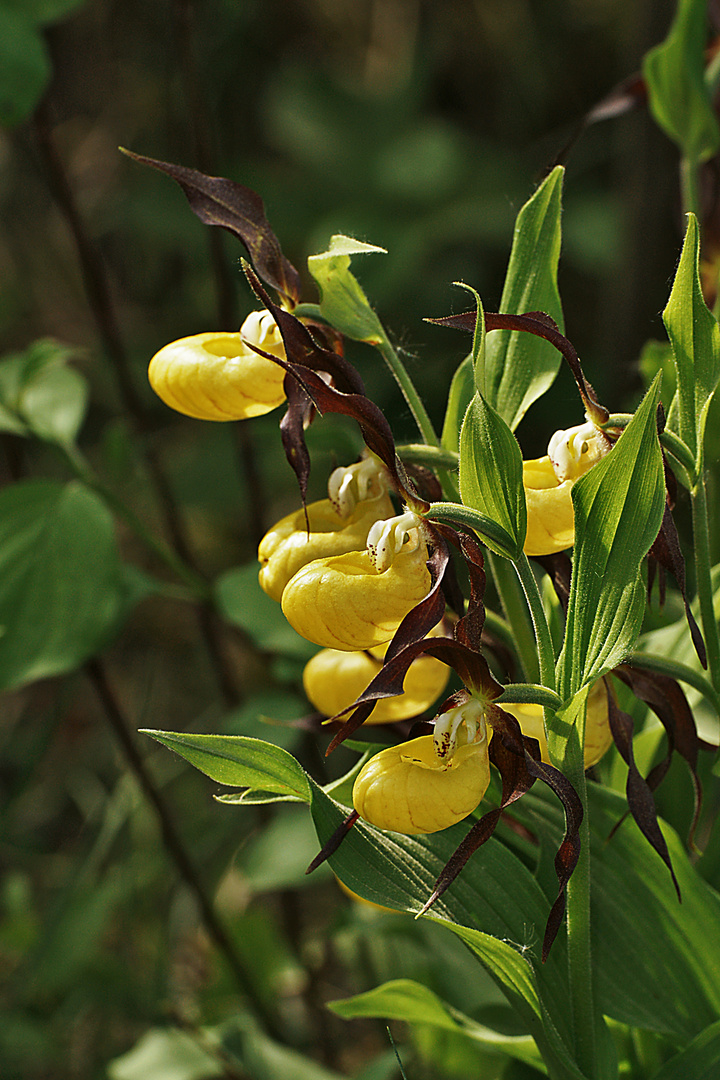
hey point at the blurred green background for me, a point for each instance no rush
(418, 126)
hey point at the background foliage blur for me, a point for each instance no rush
(418, 126)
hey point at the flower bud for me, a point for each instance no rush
(216, 376)
(333, 680)
(598, 737)
(408, 789)
(343, 602)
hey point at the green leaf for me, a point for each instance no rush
(24, 67)
(40, 395)
(239, 761)
(675, 76)
(491, 475)
(519, 367)
(241, 600)
(698, 1061)
(618, 510)
(695, 339)
(496, 906)
(24, 62)
(404, 999)
(61, 589)
(343, 303)
(668, 952)
(167, 1054)
(461, 393)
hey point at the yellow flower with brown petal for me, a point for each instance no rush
(410, 789)
(334, 679)
(288, 546)
(344, 602)
(217, 376)
(548, 483)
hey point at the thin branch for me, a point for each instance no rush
(173, 842)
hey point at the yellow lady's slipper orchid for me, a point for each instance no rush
(333, 680)
(598, 737)
(345, 602)
(357, 499)
(216, 376)
(409, 789)
(548, 482)
(550, 519)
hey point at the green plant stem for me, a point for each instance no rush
(689, 186)
(433, 457)
(580, 969)
(529, 694)
(578, 889)
(397, 370)
(703, 572)
(543, 638)
(415, 403)
(516, 611)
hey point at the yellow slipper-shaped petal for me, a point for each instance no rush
(344, 603)
(288, 546)
(216, 376)
(407, 789)
(550, 518)
(334, 679)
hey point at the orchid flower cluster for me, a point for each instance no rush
(371, 573)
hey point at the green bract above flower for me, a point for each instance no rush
(217, 376)
(409, 789)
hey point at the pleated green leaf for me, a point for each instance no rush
(698, 1061)
(668, 953)
(239, 761)
(695, 339)
(520, 367)
(496, 906)
(618, 510)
